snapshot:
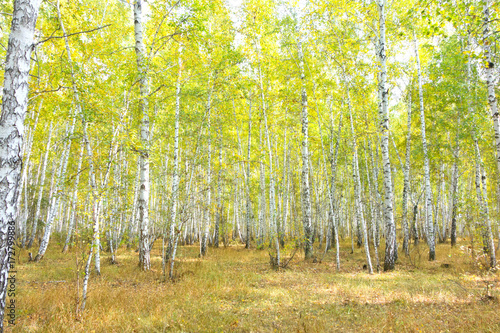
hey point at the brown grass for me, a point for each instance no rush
(235, 290)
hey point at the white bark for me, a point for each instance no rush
(427, 177)
(74, 200)
(262, 195)
(306, 196)
(208, 210)
(492, 100)
(144, 183)
(40, 190)
(175, 176)
(247, 178)
(14, 107)
(390, 228)
(357, 186)
(406, 186)
(330, 180)
(54, 201)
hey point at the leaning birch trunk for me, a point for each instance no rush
(488, 232)
(14, 106)
(133, 214)
(406, 186)
(92, 178)
(24, 179)
(74, 201)
(490, 72)
(483, 205)
(390, 228)
(357, 186)
(54, 202)
(143, 202)
(306, 195)
(40, 191)
(480, 179)
(273, 226)
(372, 210)
(427, 177)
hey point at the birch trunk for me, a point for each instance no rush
(247, 178)
(262, 195)
(480, 180)
(490, 72)
(14, 106)
(390, 228)
(208, 210)
(454, 184)
(175, 176)
(331, 183)
(373, 211)
(144, 184)
(427, 177)
(406, 186)
(40, 191)
(488, 232)
(306, 195)
(54, 202)
(357, 187)
(218, 212)
(24, 178)
(74, 201)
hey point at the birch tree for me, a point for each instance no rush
(306, 191)
(427, 176)
(14, 107)
(390, 227)
(144, 185)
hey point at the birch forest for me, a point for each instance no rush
(249, 165)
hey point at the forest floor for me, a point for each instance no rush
(236, 290)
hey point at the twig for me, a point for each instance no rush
(72, 34)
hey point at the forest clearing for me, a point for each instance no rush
(235, 289)
(249, 165)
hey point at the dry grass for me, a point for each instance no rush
(235, 290)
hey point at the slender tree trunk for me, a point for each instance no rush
(454, 184)
(144, 183)
(490, 72)
(306, 196)
(480, 180)
(373, 211)
(40, 191)
(175, 176)
(357, 187)
(208, 210)
(390, 228)
(218, 213)
(262, 194)
(133, 214)
(54, 202)
(406, 186)
(427, 177)
(74, 201)
(247, 178)
(24, 179)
